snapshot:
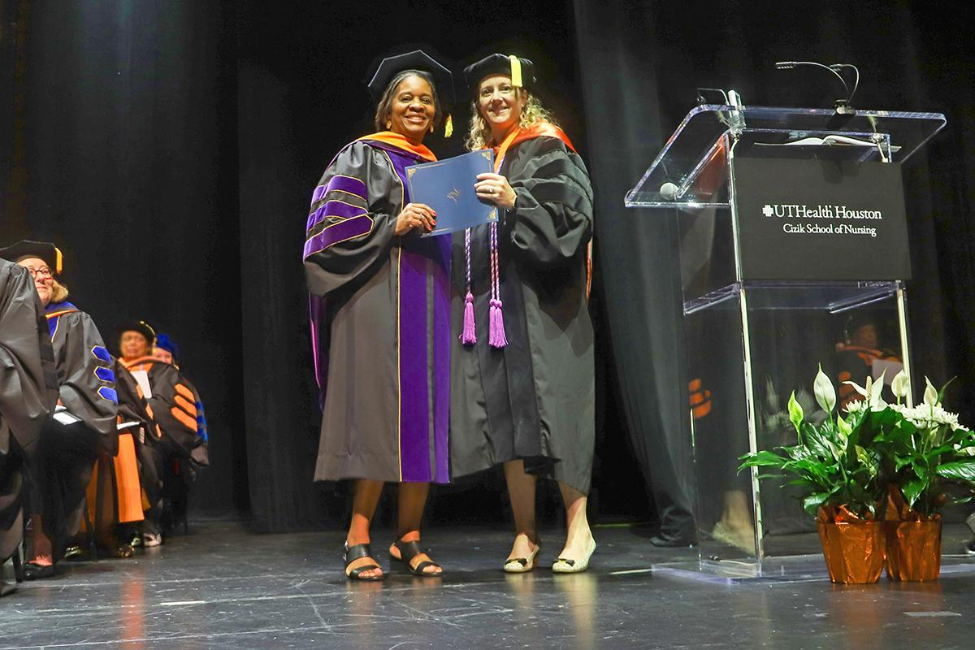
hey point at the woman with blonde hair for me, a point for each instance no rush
(522, 371)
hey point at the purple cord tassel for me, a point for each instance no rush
(469, 335)
(497, 338)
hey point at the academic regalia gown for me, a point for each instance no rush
(171, 414)
(380, 321)
(535, 398)
(28, 392)
(68, 450)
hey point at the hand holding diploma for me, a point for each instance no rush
(457, 193)
(495, 188)
(415, 216)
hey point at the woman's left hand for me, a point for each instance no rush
(495, 188)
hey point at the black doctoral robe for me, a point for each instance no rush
(83, 428)
(535, 398)
(28, 392)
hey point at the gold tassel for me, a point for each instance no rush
(58, 260)
(449, 127)
(515, 71)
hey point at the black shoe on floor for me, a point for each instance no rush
(970, 548)
(35, 571)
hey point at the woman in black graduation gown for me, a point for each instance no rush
(522, 385)
(83, 426)
(380, 301)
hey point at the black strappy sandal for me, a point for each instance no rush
(408, 551)
(353, 553)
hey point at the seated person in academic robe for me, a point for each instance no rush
(861, 355)
(164, 398)
(180, 473)
(83, 426)
(28, 394)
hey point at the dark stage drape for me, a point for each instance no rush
(640, 64)
(171, 148)
(122, 121)
(636, 251)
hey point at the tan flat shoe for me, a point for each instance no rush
(565, 565)
(522, 564)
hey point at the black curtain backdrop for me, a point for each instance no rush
(125, 153)
(641, 63)
(171, 149)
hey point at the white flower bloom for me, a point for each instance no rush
(930, 393)
(858, 388)
(901, 385)
(877, 389)
(855, 406)
(824, 391)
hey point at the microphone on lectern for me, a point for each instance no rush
(843, 106)
(669, 191)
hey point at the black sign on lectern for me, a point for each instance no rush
(820, 220)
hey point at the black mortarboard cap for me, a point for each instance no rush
(140, 326)
(522, 71)
(40, 249)
(391, 66)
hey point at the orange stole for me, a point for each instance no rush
(400, 142)
(128, 489)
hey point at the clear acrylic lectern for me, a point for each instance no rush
(793, 253)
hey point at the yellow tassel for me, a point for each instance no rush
(58, 261)
(515, 71)
(449, 127)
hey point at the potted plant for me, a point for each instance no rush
(838, 471)
(923, 449)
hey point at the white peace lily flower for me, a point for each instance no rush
(930, 393)
(877, 389)
(824, 391)
(855, 406)
(900, 385)
(858, 388)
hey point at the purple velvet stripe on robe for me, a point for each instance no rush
(418, 258)
(338, 232)
(342, 184)
(333, 209)
(441, 356)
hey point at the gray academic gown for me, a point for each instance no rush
(535, 398)
(380, 311)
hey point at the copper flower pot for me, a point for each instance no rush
(854, 548)
(914, 550)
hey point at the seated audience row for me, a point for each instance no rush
(90, 445)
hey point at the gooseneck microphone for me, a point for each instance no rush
(843, 106)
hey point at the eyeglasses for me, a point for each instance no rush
(42, 272)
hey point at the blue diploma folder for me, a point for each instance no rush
(447, 186)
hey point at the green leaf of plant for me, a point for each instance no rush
(912, 490)
(963, 470)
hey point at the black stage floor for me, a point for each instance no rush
(223, 588)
